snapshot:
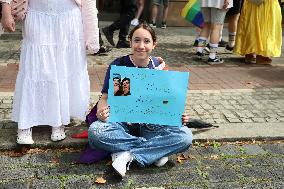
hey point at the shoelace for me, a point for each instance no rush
(27, 132)
(128, 164)
(58, 129)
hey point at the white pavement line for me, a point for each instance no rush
(241, 131)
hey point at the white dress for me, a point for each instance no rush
(52, 82)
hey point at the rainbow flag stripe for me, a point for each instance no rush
(192, 13)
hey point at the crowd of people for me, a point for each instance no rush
(53, 82)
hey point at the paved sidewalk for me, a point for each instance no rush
(245, 102)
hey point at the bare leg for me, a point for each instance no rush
(140, 5)
(165, 13)
(154, 13)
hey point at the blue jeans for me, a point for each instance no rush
(149, 144)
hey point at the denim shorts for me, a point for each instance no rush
(213, 15)
(159, 2)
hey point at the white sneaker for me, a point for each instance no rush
(134, 22)
(115, 155)
(25, 136)
(57, 134)
(161, 162)
(122, 162)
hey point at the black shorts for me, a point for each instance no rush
(237, 6)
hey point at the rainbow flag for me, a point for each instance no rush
(192, 13)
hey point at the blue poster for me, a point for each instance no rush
(138, 95)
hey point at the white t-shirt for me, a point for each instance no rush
(215, 3)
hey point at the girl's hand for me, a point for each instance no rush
(226, 3)
(7, 20)
(103, 114)
(184, 118)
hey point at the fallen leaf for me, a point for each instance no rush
(100, 180)
(180, 158)
(214, 157)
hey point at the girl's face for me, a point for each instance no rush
(126, 86)
(142, 44)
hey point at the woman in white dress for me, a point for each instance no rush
(52, 83)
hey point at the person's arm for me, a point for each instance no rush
(226, 3)
(103, 108)
(184, 118)
(7, 19)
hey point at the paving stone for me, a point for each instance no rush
(7, 161)
(232, 162)
(63, 170)
(225, 185)
(220, 120)
(273, 148)
(14, 185)
(272, 185)
(185, 176)
(42, 158)
(152, 178)
(212, 162)
(222, 174)
(258, 120)
(256, 172)
(246, 120)
(229, 149)
(78, 182)
(194, 186)
(207, 151)
(69, 158)
(253, 149)
(277, 172)
(234, 120)
(260, 161)
(17, 174)
(277, 160)
(46, 184)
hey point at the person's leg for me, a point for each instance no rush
(154, 13)
(115, 138)
(165, 14)
(161, 141)
(112, 137)
(140, 7)
(126, 15)
(217, 20)
(204, 34)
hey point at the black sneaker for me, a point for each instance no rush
(229, 48)
(152, 24)
(216, 60)
(195, 44)
(207, 48)
(199, 55)
(123, 44)
(103, 50)
(109, 35)
(164, 25)
(222, 43)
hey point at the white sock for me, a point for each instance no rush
(213, 50)
(201, 44)
(232, 38)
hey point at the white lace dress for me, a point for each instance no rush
(53, 82)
